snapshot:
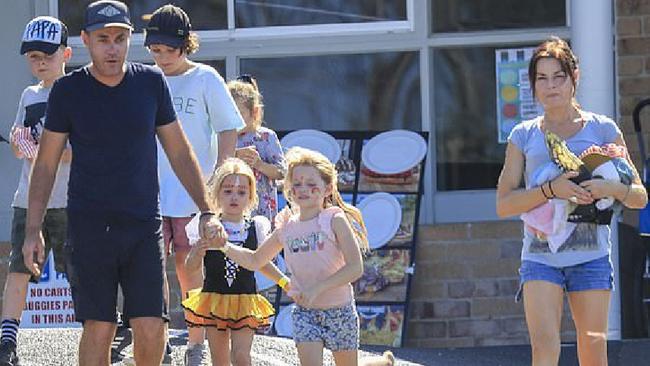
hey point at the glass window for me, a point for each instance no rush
(300, 12)
(473, 15)
(219, 65)
(467, 149)
(204, 14)
(378, 91)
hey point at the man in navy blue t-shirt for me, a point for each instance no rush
(111, 111)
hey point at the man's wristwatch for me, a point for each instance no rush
(206, 213)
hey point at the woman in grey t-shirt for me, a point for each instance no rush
(580, 264)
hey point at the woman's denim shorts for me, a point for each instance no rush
(597, 274)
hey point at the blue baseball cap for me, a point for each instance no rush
(107, 13)
(45, 34)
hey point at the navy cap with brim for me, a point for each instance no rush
(167, 40)
(46, 47)
(94, 27)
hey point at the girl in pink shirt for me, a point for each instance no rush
(322, 238)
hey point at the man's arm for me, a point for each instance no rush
(67, 155)
(227, 143)
(184, 163)
(40, 187)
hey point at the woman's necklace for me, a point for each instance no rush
(564, 130)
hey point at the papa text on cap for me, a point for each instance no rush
(45, 34)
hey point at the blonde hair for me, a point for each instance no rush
(248, 95)
(298, 156)
(229, 167)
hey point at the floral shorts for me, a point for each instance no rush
(337, 328)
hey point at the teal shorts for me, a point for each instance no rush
(55, 231)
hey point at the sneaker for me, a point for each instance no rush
(123, 339)
(8, 356)
(195, 355)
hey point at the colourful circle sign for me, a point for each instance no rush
(509, 93)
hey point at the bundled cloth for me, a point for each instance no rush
(551, 221)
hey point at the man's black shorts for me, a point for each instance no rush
(105, 250)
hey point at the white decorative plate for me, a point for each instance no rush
(315, 140)
(382, 215)
(393, 152)
(283, 323)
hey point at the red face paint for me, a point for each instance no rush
(315, 190)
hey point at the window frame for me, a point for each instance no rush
(414, 34)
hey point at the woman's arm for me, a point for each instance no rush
(254, 260)
(350, 272)
(512, 200)
(632, 196)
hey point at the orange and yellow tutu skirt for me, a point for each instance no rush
(226, 311)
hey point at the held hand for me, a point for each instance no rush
(564, 188)
(34, 252)
(210, 227)
(599, 188)
(199, 248)
(307, 297)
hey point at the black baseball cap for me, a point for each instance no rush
(107, 13)
(45, 34)
(169, 25)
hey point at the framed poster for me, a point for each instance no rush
(515, 102)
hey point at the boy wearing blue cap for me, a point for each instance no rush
(44, 45)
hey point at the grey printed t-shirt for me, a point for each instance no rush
(31, 113)
(588, 241)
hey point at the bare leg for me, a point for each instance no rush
(543, 308)
(310, 353)
(188, 281)
(346, 358)
(589, 310)
(15, 293)
(242, 341)
(149, 337)
(95, 344)
(219, 342)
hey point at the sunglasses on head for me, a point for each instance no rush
(245, 78)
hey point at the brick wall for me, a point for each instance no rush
(633, 71)
(463, 291)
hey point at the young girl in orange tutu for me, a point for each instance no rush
(228, 304)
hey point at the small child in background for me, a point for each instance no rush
(228, 303)
(258, 146)
(322, 237)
